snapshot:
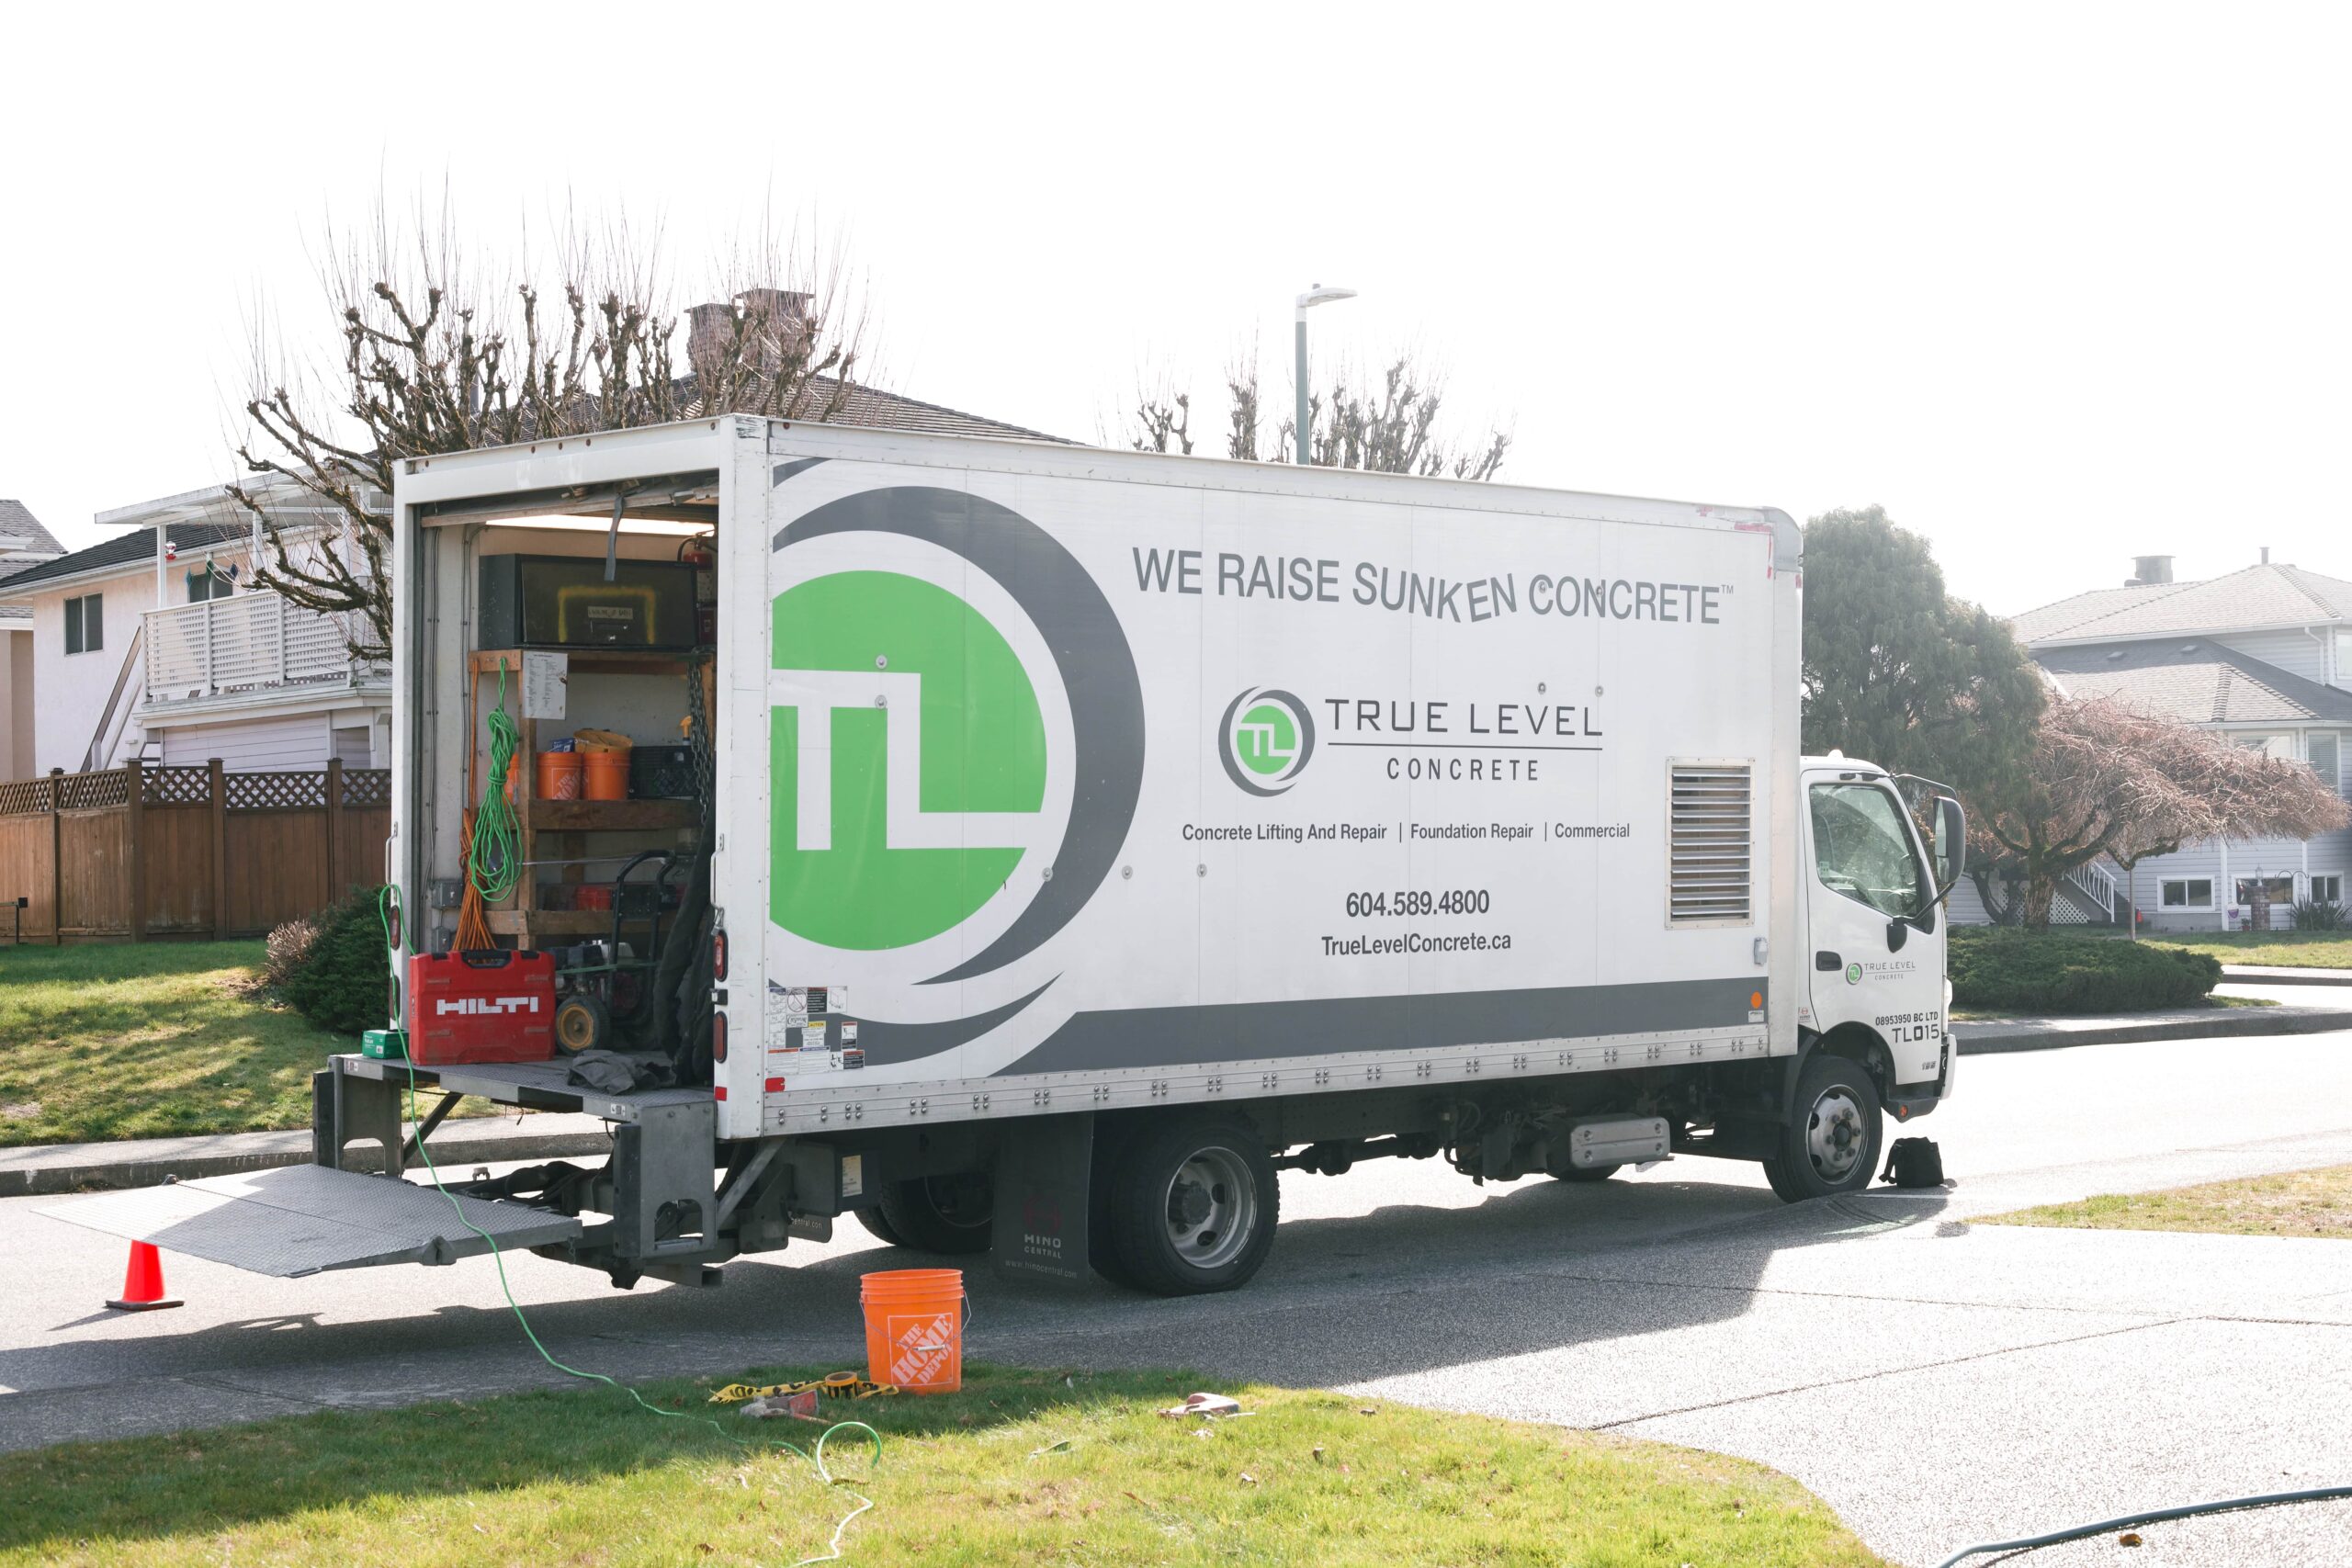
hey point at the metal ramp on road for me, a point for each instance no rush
(307, 1219)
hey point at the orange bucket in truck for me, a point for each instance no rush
(914, 1328)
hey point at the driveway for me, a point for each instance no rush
(1936, 1381)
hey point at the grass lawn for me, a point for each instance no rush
(147, 1040)
(2293, 950)
(2301, 1202)
(1021, 1467)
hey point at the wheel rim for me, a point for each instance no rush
(1212, 1208)
(964, 1203)
(1835, 1135)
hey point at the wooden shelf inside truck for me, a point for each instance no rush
(604, 660)
(534, 923)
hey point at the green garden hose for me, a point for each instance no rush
(494, 863)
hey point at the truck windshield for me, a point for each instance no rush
(1863, 850)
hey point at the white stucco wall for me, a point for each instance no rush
(72, 688)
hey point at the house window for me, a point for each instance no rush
(2281, 890)
(2326, 756)
(2329, 889)
(2279, 746)
(86, 623)
(210, 583)
(2188, 893)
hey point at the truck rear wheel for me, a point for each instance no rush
(940, 1213)
(877, 1227)
(1192, 1208)
(1831, 1142)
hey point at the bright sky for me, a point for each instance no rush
(2056, 285)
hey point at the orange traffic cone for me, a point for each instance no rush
(143, 1283)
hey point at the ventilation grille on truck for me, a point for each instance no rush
(1710, 839)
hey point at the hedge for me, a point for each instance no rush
(2003, 969)
(341, 980)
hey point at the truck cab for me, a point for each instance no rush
(1875, 930)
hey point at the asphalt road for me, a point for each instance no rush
(1937, 1381)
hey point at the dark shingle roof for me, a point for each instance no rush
(2198, 682)
(131, 544)
(2262, 595)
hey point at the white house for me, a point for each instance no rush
(24, 543)
(154, 644)
(2263, 655)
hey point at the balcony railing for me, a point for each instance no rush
(244, 642)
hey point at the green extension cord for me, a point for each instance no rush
(388, 905)
(495, 862)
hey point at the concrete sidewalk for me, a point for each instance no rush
(2277, 975)
(40, 1169)
(1989, 1037)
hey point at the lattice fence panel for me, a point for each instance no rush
(367, 786)
(177, 786)
(277, 791)
(25, 797)
(86, 791)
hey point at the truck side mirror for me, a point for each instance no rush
(1951, 843)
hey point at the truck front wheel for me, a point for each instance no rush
(1192, 1208)
(1831, 1142)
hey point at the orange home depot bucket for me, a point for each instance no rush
(607, 774)
(558, 775)
(914, 1328)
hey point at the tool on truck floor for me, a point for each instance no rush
(605, 988)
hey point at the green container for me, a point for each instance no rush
(385, 1044)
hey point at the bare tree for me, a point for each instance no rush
(1163, 420)
(1392, 428)
(442, 349)
(2100, 780)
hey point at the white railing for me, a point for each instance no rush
(2095, 882)
(240, 643)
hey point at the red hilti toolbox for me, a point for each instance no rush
(480, 1006)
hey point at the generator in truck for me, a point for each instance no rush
(1070, 840)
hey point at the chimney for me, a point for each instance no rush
(2266, 555)
(775, 322)
(710, 338)
(2147, 570)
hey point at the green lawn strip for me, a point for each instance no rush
(1979, 1015)
(1022, 1466)
(148, 1040)
(2298, 1203)
(2288, 950)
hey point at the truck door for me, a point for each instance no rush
(1870, 909)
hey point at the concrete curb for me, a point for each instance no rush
(1993, 1038)
(2260, 975)
(49, 1169)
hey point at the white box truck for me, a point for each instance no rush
(1080, 838)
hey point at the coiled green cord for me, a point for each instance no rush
(388, 905)
(495, 862)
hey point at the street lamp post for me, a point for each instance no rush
(1319, 295)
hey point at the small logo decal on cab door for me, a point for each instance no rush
(1853, 974)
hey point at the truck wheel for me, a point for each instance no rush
(583, 1022)
(1587, 1173)
(1192, 1207)
(940, 1213)
(878, 1228)
(1831, 1144)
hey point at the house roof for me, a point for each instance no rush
(2264, 595)
(872, 406)
(2198, 682)
(124, 549)
(21, 533)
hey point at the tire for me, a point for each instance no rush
(1191, 1207)
(952, 1215)
(1587, 1173)
(583, 1022)
(1831, 1142)
(878, 1228)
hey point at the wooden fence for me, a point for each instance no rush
(142, 851)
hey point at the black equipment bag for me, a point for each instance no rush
(1914, 1162)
